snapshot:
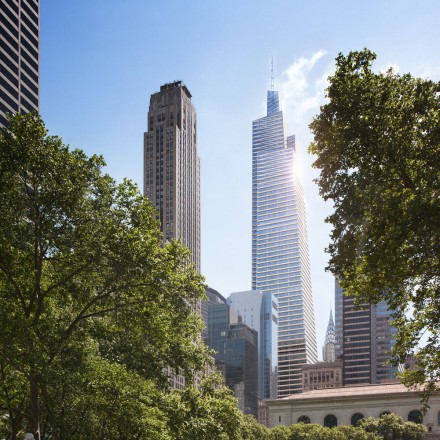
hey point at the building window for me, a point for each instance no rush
(304, 419)
(355, 418)
(438, 418)
(415, 416)
(330, 421)
(279, 419)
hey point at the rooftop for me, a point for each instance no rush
(352, 391)
(319, 365)
(176, 84)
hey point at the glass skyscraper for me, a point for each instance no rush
(259, 310)
(19, 57)
(366, 339)
(236, 354)
(280, 262)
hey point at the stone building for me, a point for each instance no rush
(322, 375)
(172, 165)
(346, 405)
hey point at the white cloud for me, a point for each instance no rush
(302, 91)
(432, 73)
(394, 67)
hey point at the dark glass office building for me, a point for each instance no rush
(338, 318)
(368, 339)
(236, 354)
(19, 57)
(213, 297)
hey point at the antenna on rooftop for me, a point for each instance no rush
(271, 77)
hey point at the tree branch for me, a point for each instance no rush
(16, 287)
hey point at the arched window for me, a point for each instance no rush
(384, 413)
(415, 416)
(330, 421)
(355, 418)
(303, 419)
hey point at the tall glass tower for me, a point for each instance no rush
(19, 57)
(280, 261)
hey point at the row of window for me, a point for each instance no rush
(330, 420)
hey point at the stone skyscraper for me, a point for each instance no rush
(280, 261)
(19, 57)
(172, 165)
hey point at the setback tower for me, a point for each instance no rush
(172, 165)
(280, 261)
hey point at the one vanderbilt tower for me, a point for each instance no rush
(172, 165)
(280, 261)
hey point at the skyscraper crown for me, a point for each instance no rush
(330, 336)
(273, 104)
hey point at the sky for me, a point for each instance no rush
(102, 59)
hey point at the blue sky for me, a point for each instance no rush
(102, 59)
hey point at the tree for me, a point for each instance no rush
(377, 142)
(207, 412)
(94, 306)
(280, 432)
(392, 427)
(252, 430)
(302, 431)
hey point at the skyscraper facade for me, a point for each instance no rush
(368, 339)
(213, 297)
(19, 57)
(338, 318)
(259, 311)
(384, 339)
(280, 262)
(172, 165)
(236, 354)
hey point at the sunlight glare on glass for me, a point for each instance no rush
(298, 167)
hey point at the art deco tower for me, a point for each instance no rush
(19, 57)
(280, 261)
(329, 349)
(172, 165)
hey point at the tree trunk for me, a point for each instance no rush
(35, 412)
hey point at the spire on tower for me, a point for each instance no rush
(328, 351)
(272, 86)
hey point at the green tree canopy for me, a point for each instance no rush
(392, 427)
(377, 142)
(94, 306)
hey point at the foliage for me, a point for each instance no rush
(207, 412)
(355, 433)
(392, 427)
(312, 431)
(280, 432)
(252, 430)
(302, 431)
(94, 306)
(377, 142)
(388, 427)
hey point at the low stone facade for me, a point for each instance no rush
(322, 375)
(345, 405)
